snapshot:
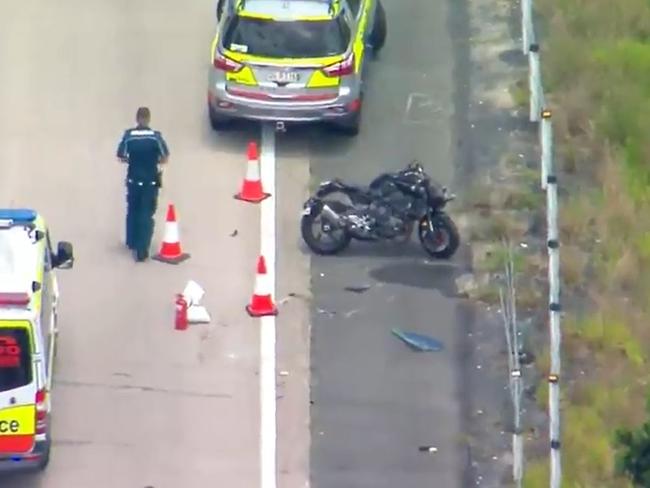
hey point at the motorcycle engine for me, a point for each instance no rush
(389, 213)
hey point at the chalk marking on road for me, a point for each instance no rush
(419, 101)
(268, 426)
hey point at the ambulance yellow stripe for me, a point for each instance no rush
(15, 421)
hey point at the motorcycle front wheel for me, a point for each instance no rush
(442, 242)
(321, 236)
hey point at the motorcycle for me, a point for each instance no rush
(387, 209)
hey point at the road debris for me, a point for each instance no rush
(291, 295)
(196, 314)
(284, 373)
(427, 449)
(322, 311)
(234, 233)
(418, 342)
(358, 289)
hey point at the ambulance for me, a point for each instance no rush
(29, 297)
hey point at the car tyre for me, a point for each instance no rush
(217, 122)
(351, 126)
(379, 29)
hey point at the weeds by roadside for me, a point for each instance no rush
(596, 68)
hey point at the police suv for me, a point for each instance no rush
(28, 327)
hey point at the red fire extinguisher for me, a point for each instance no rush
(181, 312)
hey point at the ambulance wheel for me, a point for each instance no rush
(379, 29)
(45, 459)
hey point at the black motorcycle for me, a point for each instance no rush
(385, 210)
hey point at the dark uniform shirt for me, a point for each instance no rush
(143, 148)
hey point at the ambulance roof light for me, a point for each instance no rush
(11, 216)
(14, 299)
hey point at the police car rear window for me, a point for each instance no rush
(291, 39)
(15, 359)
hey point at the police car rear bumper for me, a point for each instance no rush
(226, 105)
(25, 462)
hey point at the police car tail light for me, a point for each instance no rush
(41, 412)
(342, 68)
(14, 299)
(224, 63)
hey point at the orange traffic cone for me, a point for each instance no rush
(251, 189)
(170, 250)
(262, 302)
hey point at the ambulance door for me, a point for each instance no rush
(47, 317)
(18, 387)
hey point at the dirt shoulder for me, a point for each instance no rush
(498, 180)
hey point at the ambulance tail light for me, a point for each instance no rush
(14, 299)
(41, 412)
(342, 68)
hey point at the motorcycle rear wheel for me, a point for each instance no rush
(443, 242)
(340, 241)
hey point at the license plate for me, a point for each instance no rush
(284, 77)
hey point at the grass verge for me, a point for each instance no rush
(596, 66)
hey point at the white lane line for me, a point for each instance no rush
(268, 427)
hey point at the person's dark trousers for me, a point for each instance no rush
(142, 201)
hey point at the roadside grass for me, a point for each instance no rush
(596, 69)
(520, 93)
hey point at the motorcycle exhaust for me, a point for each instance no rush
(331, 215)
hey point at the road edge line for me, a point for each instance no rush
(268, 407)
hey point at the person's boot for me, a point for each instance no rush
(140, 255)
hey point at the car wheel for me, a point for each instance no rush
(350, 126)
(379, 29)
(217, 122)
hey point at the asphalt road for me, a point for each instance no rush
(136, 403)
(375, 402)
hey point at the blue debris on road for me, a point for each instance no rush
(418, 342)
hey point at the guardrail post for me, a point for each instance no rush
(555, 309)
(546, 143)
(534, 82)
(526, 24)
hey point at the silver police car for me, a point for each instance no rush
(292, 60)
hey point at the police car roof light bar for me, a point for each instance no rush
(14, 299)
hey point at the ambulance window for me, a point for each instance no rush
(48, 253)
(15, 359)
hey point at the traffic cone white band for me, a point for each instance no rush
(172, 234)
(262, 285)
(253, 170)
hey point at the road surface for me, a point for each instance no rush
(136, 403)
(375, 402)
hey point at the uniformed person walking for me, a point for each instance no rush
(143, 149)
